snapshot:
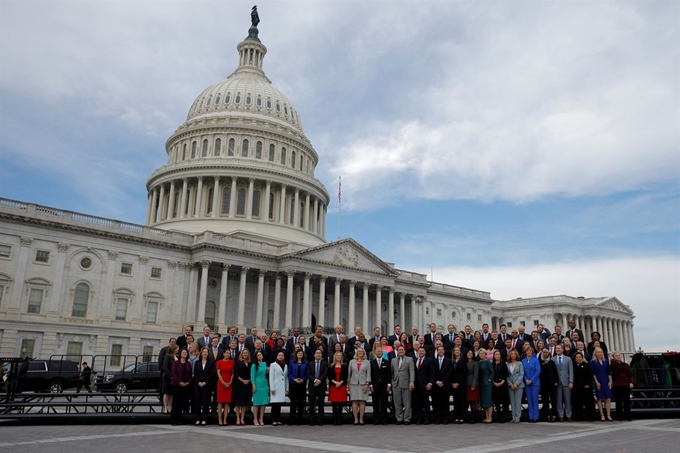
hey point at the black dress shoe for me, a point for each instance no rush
(426, 422)
(384, 423)
(407, 423)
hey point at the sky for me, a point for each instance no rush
(525, 148)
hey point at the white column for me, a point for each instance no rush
(53, 308)
(336, 303)
(260, 300)
(352, 308)
(199, 198)
(282, 211)
(632, 336)
(323, 220)
(277, 303)
(216, 197)
(295, 214)
(364, 322)
(267, 201)
(202, 299)
(232, 198)
(191, 306)
(306, 305)
(111, 272)
(241, 314)
(183, 201)
(222, 307)
(619, 333)
(322, 301)
(596, 326)
(402, 313)
(154, 204)
(149, 207)
(289, 300)
(414, 313)
(608, 325)
(390, 313)
(315, 228)
(305, 222)
(249, 198)
(378, 306)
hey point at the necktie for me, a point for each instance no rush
(559, 360)
(450, 338)
(317, 370)
(399, 362)
(440, 363)
(420, 362)
(513, 343)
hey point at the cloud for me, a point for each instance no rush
(649, 285)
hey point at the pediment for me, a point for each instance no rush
(613, 303)
(345, 253)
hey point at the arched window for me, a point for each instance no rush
(271, 205)
(193, 150)
(204, 151)
(272, 151)
(301, 211)
(258, 102)
(211, 196)
(248, 99)
(210, 311)
(226, 200)
(237, 100)
(201, 104)
(269, 103)
(81, 297)
(301, 161)
(278, 107)
(283, 155)
(232, 145)
(291, 220)
(244, 148)
(175, 209)
(292, 159)
(218, 147)
(285, 110)
(184, 152)
(207, 104)
(258, 150)
(227, 99)
(217, 100)
(256, 203)
(241, 203)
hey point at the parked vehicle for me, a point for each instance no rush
(136, 376)
(53, 376)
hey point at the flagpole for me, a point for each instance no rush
(339, 206)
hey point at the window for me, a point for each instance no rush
(522, 323)
(469, 316)
(227, 100)
(81, 297)
(427, 309)
(86, 263)
(218, 146)
(453, 314)
(74, 350)
(42, 256)
(272, 151)
(256, 203)
(121, 308)
(200, 106)
(207, 104)
(292, 159)
(184, 152)
(3, 285)
(439, 312)
(232, 144)
(258, 150)
(285, 109)
(271, 205)
(156, 272)
(237, 100)
(27, 347)
(193, 150)
(278, 107)
(147, 351)
(35, 298)
(6, 250)
(152, 311)
(226, 200)
(241, 204)
(126, 268)
(301, 161)
(479, 318)
(269, 103)
(509, 324)
(244, 148)
(210, 309)
(248, 99)
(535, 322)
(116, 354)
(204, 151)
(259, 101)
(217, 100)
(283, 155)
(211, 196)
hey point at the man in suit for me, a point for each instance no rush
(335, 338)
(395, 336)
(215, 351)
(425, 375)
(293, 340)
(319, 332)
(572, 329)
(189, 339)
(521, 334)
(486, 335)
(403, 383)
(357, 333)
(442, 384)
(543, 333)
(393, 354)
(204, 341)
(182, 339)
(581, 347)
(381, 385)
(309, 352)
(250, 340)
(558, 332)
(502, 336)
(375, 338)
(164, 351)
(317, 371)
(227, 338)
(515, 342)
(565, 372)
(413, 338)
(505, 350)
(431, 336)
(534, 340)
(448, 338)
(241, 345)
(551, 346)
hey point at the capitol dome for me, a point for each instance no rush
(241, 164)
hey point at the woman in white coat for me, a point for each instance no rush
(358, 383)
(278, 386)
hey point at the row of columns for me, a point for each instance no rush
(161, 205)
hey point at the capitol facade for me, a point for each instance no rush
(234, 236)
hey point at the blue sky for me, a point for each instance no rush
(522, 148)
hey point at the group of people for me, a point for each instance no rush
(417, 377)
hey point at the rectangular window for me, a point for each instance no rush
(479, 318)
(535, 322)
(522, 323)
(27, 347)
(80, 300)
(116, 354)
(121, 308)
(42, 256)
(156, 272)
(126, 268)
(74, 350)
(509, 325)
(151, 312)
(147, 353)
(439, 312)
(469, 316)
(3, 285)
(5, 251)
(35, 297)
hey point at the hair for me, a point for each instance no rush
(259, 353)
(491, 342)
(226, 355)
(579, 354)
(513, 354)
(356, 355)
(595, 353)
(453, 353)
(304, 359)
(204, 348)
(241, 358)
(172, 350)
(342, 357)
(482, 350)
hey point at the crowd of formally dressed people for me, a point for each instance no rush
(441, 378)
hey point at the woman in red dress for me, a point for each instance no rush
(225, 376)
(337, 386)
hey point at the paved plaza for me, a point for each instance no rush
(638, 436)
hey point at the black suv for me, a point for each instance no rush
(49, 376)
(136, 376)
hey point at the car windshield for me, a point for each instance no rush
(130, 367)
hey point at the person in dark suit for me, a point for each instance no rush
(375, 338)
(165, 377)
(502, 336)
(293, 340)
(448, 339)
(543, 332)
(215, 352)
(251, 339)
(355, 337)
(227, 338)
(595, 336)
(317, 373)
(204, 340)
(505, 350)
(485, 334)
(318, 333)
(425, 376)
(441, 387)
(182, 339)
(393, 354)
(84, 378)
(204, 373)
(572, 329)
(431, 336)
(458, 384)
(515, 342)
(381, 386)
(180, 384)
(297, 378)
(335, 338)
(395, 336)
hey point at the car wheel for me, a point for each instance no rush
(121, 387)
(56, 387)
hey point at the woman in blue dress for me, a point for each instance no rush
(602, 377)
(258, 377)
(485, 386)
(532, 382)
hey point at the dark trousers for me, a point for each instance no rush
(316, 397)
(179, 398)
(276, 412)
(622, 400)
(337, 412)
(380, 401)
(502, 406)
(548, 400)
(440, 402)
(583, 404)
(202, 402)
(459, 401)
(84, 383)
(297, 402)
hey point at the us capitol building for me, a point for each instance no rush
(234, 235)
